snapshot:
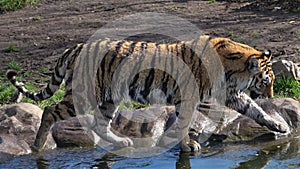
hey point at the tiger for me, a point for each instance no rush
(244, 68)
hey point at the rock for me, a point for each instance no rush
(150, 123)
(288, 108)
(284, 68)
(157, 122)
(19, 124)
(70, 133)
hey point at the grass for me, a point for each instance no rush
(7, 89)
(296, 48)
(14, 65)
(12, 5)
(11, 48)
(296, 10)
(131, 105)
(174, 7)
(253, 34)
(36, 18)
(230, 34)
(287, 87)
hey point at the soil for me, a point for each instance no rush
(42, 32)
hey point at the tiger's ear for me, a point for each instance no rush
(252, 66)
(268, 53)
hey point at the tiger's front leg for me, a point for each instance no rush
(102, 127)
(242, 103)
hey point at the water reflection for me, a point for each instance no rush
(281, 150)
(42, 163)
(283, 153)
(184, 161)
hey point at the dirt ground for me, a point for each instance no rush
(42, 32)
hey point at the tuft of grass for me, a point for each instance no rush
(6, 89)
(14, 65)
(131, 105)
(12, 5)
(287, 87)
(36, 18)
(253, 34)
(296, 10)
(11, 48)
(296, 48)
(212, 1)
(174, 7)
(230, 34)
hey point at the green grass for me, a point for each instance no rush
(296, 48)
(11, 48)
(7, 89)
(296, 10)
(11, 5)
(253, 34)
(14, 65)
(174, 7)
(131, 105)
(287, 87)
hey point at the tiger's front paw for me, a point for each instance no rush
(124, 142)
(278, 127)
(190, 146)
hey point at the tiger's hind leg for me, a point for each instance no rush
(47, 121)
(102, 127)
(52, 114)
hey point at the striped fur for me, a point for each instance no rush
(243, 66)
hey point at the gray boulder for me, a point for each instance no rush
(19, 124)
(74, 132)
(157, 123)
(284, 68)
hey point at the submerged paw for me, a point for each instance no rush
(191, 146)
(194, 145)
(124, 142)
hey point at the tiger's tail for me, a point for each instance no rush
(56, 79)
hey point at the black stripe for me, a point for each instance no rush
(48, 90)
(114, 55)
(148, 82)
(137, 68)
(220, 43)
(53, 115)
(165, 77)
(233, 56)
(183, 52)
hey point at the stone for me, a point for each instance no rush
(149, 123)
(284, 68)
(19, 124)
(74, 132)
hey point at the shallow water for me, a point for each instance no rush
(283, 153)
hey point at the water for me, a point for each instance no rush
(283, 153)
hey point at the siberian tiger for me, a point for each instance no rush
(245, 68)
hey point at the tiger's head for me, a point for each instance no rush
(262, 83)
(245, 67)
